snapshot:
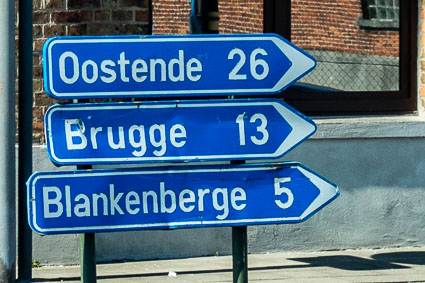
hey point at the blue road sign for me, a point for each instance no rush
(173, 131)
(153, 66)
(179, 197)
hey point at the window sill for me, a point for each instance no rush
(370, 127)
(378, 24)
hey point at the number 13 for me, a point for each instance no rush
(240, 120)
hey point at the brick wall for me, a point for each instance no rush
(316, 25)
(79, 17)
(236, 16)
(170, 16)
(331, 25)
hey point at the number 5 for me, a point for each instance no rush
(278, 190)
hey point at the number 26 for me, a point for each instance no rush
(254, 62)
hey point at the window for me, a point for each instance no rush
(380, 14)
(359, 70)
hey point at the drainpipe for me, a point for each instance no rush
(7, 142)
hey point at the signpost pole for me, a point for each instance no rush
(240, 249)
(87, 249)
(87, 258)
(240, 254)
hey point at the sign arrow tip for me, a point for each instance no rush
(302, 63)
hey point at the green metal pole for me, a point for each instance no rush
(87, 243)
(87, 258)
(240, 254)
(240, 249)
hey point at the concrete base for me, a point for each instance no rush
(382, 204)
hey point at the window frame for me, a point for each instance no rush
(376, 22)
(277, 19)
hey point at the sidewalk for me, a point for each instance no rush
(379, 265)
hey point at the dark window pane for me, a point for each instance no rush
(381, 9)
(372, 13)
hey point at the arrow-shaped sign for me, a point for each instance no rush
(151, 66)
(168, 198)
(173, 131)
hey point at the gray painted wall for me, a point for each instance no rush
(382, 204)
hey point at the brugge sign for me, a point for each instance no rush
(176, 131)
(151, 66)
(168, 198)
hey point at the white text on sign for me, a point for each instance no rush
(140, 70)
(154, 69)
(56, 205)
(137, 136)
(76, 137)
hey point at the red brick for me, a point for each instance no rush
(37, 31)
(37, 85)
(133, 4)
(56, 4)
(109, 4)
(41, 99)
(36, 58)
(121, 15)
(41, 17)
(66, 16)
(38, 125)
(101, 29)
(102, 15)
(83, 4)
(86, 16)
(37, 113)
(77, 29)
(133, 29)
(36, 4)
(38, 44)
(37, 71)
(142, 16)
(54, 30)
